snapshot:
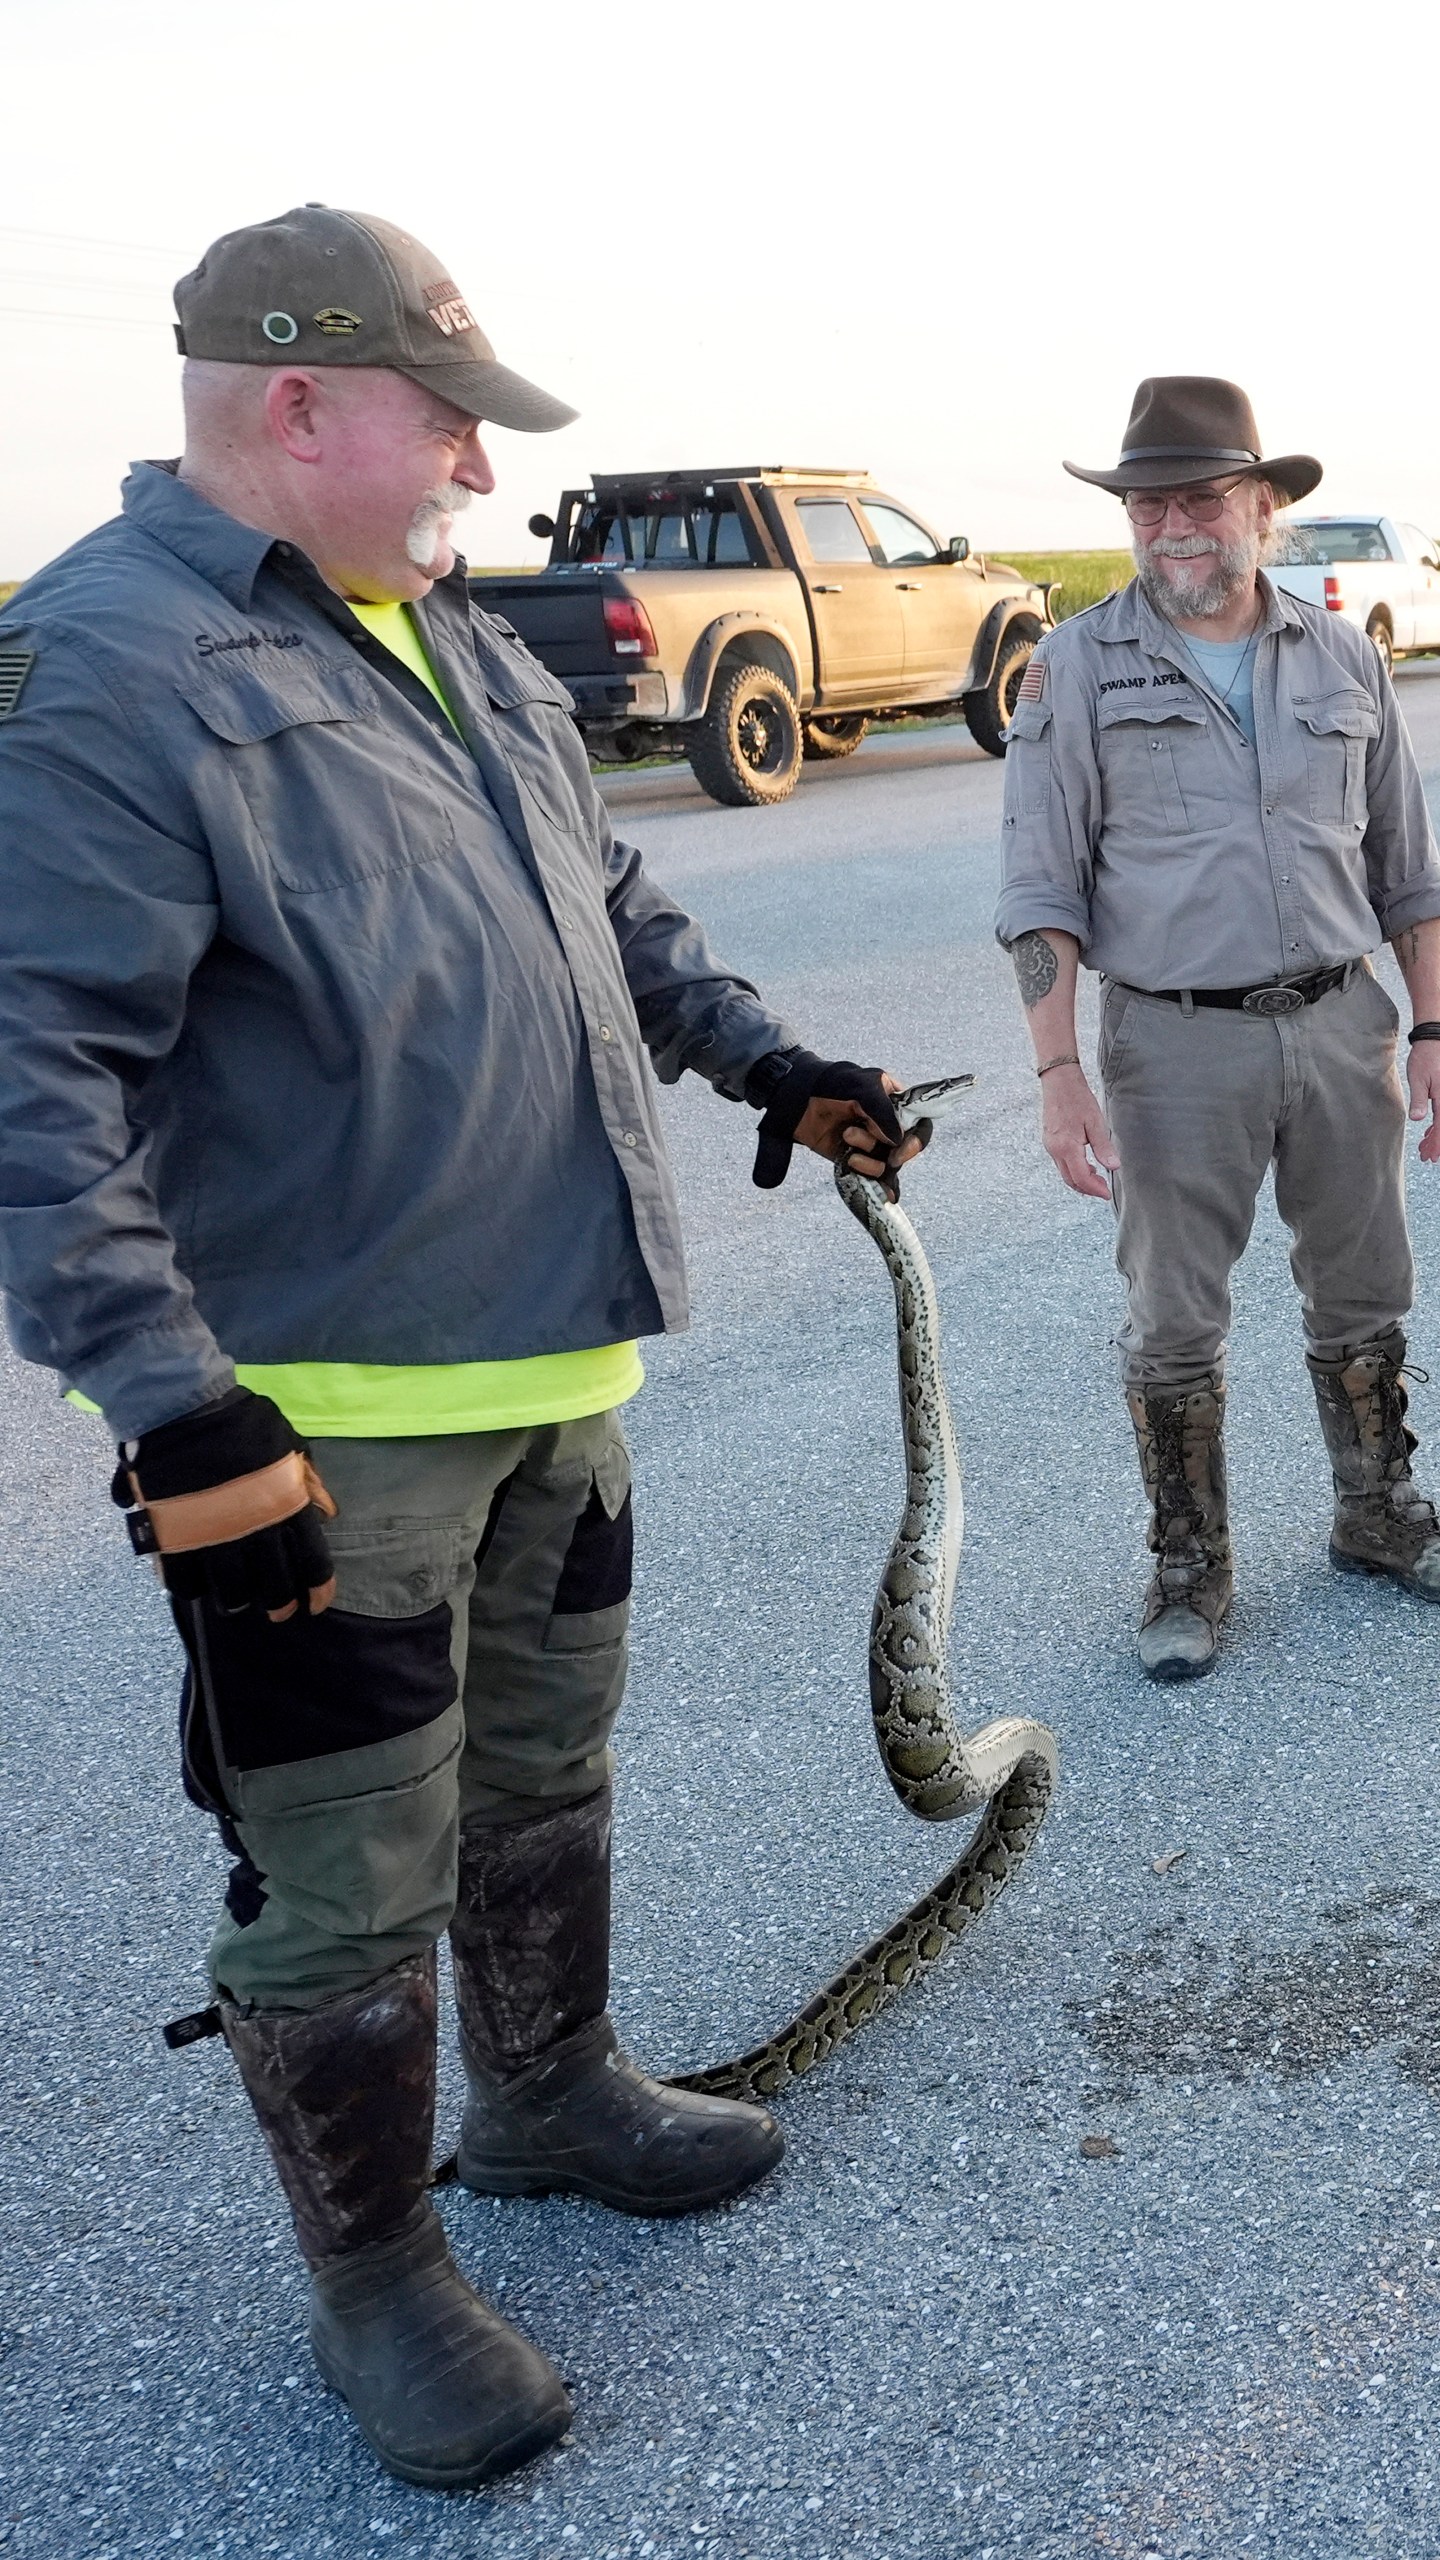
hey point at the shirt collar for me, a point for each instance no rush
(228, 555)
(1132, 616)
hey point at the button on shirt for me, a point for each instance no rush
(300, 990)
(1140, 819)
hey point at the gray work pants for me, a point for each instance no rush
(1200, 1103)
(471, 1668)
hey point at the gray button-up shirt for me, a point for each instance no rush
(322, 1035)
(1139, 818)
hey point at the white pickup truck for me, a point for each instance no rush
(1383, 575)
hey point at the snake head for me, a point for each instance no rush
(921, 1105)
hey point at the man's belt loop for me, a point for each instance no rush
(1187, 1002)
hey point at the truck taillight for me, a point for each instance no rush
(1334, 600)
(628, 628)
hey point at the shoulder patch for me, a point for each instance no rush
(15, 665)
(1032, 683)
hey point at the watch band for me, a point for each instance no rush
(1425, 1031)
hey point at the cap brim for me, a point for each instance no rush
(1293, 474)
(492, 391)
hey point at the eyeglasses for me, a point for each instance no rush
(1202, 506)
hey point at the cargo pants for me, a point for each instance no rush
(471, 1668)
(1201, 1102)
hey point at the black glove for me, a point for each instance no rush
(782, 1098)
(228, 1503)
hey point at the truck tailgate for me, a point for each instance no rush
(558, 614)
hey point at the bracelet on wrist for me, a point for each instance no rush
(1425, 1031)
(1070, 1060)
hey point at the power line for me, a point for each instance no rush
(102, 319)
(88, 240)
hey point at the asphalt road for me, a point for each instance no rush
(941, 2332)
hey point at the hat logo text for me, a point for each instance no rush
(337, 323)
(448, 309)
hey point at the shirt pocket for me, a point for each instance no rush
(1338, 730)
(534, 723)
(335, 797)
(1028, 760)
(1158, 766)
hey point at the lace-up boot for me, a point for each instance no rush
(1179, 1435)
(442, 2389)
(553, 2101)
(1383, 1522)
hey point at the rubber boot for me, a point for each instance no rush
(1179, 1432)
(1383, 1523)
(554, 2103)
(444, 2392)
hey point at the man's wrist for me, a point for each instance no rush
(764, 1079)
(1424, 1031)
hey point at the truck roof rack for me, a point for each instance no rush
(774, 473)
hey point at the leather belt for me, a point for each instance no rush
(1287, 996)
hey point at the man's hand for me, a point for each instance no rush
(1075, 1130)
(1422, 1074)
(839, 1111)
(228, 1504)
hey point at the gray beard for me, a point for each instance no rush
(1233, 564)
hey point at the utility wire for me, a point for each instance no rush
(87, 240)
(102, 319)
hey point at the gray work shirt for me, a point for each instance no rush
(1139, 818)
(322, 1035)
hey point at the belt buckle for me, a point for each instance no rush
(1273, 1000)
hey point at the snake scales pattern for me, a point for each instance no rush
(938, 1772)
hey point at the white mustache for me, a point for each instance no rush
(1183, 546)
(422, 542)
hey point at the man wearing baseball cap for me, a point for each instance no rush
(1211, 798)
(331, 1173)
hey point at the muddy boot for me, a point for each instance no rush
(553, 2102)
(1383, 1523)
(445, 2393)
(1179, 1434)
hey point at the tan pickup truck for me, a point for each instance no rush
(748, 619)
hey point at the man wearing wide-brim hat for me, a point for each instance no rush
(1211, 799)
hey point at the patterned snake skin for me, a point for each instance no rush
(1009, 1767)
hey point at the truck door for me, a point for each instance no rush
(1423, 564)
(943, 602)
(856, 610)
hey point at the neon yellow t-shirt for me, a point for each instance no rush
(349, 1400)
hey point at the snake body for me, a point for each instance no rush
(939, 1773)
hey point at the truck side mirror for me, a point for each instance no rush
(543, 527)
(959, 547)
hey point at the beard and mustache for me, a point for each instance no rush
(1199, 593)
(422, 542)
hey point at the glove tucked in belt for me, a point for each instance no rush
(227, 1502)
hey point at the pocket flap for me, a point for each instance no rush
(1152, 708)
(1344, 715)
(246, 703)
(1030, 720)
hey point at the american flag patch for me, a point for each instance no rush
(1032, 683)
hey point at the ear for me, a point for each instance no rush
(294, 405)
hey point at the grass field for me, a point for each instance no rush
(1086, 575)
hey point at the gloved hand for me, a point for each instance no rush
(830, 1105)
(227, 1502)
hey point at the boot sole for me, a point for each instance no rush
(1345, 1563)
(1172, 1672)
(526, 2182)
(535, 2437)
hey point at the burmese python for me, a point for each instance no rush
(937, 1772)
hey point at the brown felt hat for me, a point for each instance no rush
(1190, 426)
(317, 287)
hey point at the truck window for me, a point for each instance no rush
(830, 528)
(1314, 546)
(674, 532)
(905, 543)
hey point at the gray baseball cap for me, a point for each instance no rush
(320, 287)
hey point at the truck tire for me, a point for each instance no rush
(988, 713)
(1378, 630)
(837, 734)
(749, 746)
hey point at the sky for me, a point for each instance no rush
(939, 243)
